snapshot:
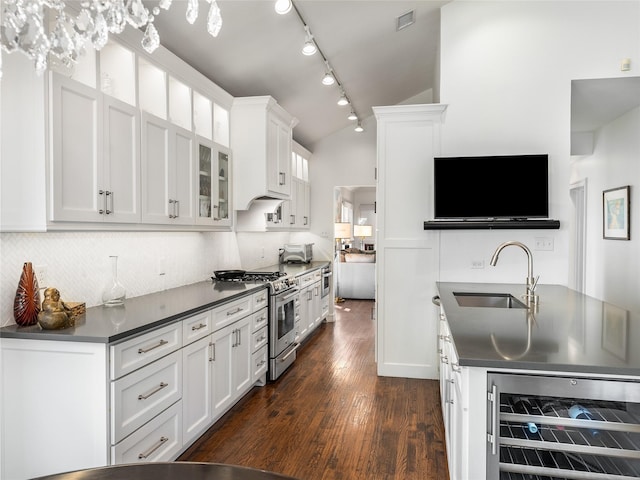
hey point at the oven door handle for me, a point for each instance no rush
(291, 295)
(293, 350)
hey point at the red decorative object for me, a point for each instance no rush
(26, 305)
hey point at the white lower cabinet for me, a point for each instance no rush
(160, 440)
(144, 399)
(143, 394)
(220, 367)
(310, 302)
(231, 365)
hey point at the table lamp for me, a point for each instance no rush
(362, 231)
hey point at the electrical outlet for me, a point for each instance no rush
(544, 243)
(42, 276)
(477, 263)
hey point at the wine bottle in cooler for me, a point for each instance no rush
(522, 405)
(579, 412)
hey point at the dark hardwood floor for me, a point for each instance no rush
(331, 417)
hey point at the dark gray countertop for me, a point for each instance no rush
(568, 331)
(111, 324)
(139, 314)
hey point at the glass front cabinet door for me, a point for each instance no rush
(214, 175)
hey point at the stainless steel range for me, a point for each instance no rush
(284, 312)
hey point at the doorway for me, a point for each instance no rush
(578, 194)
(354, 256)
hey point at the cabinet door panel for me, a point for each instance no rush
(76, 161)
(196, 388)
(155, 170)
(242, 357)
(121, 160)
(223, 341)
(182, 174)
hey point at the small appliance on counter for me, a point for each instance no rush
(300, 253)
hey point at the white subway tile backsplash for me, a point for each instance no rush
(78, 262)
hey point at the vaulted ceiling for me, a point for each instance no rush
(258, 52)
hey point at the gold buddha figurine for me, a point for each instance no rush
(54, 314)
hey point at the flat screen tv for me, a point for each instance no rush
(491, 187)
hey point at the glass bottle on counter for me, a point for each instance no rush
(114, 293)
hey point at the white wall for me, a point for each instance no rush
(612, 265)
(344, 158)
(506, 71)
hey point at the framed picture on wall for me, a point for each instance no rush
(615, 213)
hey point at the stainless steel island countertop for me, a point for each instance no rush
(567, 331)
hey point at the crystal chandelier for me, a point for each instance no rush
(88, 24)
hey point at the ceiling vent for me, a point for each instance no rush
(405, 20)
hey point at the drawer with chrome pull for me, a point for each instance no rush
(230, 312)
(138, 397)
(196, 327)
(260, 299)
(160, 440)
(140, 351)
(259, 320)
(259, 339)
(259, 364)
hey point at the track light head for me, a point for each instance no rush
(283, 6)
(309, 47)
(359, 128)
(328, 79)
(352, 116)
(343, 100)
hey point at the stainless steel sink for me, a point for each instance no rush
(492, 300)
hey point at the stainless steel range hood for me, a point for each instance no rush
(254, 219)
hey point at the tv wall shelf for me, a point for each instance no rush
(540, 224)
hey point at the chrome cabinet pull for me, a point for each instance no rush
(172, 203)
(107, 202)
(292, 219)
(212, 357)
(153, 392)
(198, 327)
(176, 206)
(455, 367)
(492, 437)
(306, 220)
(104, 202)
(283, 178)
(158, 444)
(444, 359)
(233, 312)
(148, 349)
(435, 300)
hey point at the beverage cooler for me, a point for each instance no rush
(543, 427)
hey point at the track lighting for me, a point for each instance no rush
(328, 79)
(309, 47)
(283, 6)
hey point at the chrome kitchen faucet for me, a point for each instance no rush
(531, 297)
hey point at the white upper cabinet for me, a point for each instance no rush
(213, 184)
(261, 136)
(95, 155)
(167, 173)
